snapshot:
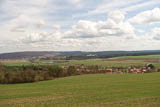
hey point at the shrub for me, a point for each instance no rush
(71, 70)
(2, 68)
(55, 71)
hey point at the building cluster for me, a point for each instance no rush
(132, 69)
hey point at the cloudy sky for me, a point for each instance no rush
(86, 25)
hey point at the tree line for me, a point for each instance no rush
(27, 74)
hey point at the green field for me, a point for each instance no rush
(96, 90)
(106, 63)
(16, 63)
(99, 62)
(109, 63)
(145, 56)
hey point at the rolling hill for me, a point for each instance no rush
(74, 54)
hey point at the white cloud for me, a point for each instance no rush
(40, 37)
(82, 29)
(140, 5)
(111, 5)
(24, 22)
(123, 5)
(156, 33)
(147, 17)
(115, 25)
(13, 8)
(35, 37)
(23, 16)
(117, 16)
(47, 25)
(76, 3)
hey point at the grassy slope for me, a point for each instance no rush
(100, 62)
(105, 63)
(145, 56)
(16, 63)
(86, 91)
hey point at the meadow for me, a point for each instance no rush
(144, 56)
(93, 90)
(124, 61)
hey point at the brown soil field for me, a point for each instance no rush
(152, 60)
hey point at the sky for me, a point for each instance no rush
(79, 25)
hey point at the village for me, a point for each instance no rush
(148, 68)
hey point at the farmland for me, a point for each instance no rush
(92, 90)
(15, 62)
(79, 53)
(86, 91)
(124, 61)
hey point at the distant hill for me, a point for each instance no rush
(74, 54)
(22, 55)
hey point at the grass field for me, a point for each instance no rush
(97, 90)
(16, 63)
(112, 62)
(145, 56)
(124, 61)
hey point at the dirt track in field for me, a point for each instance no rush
(152, 60)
